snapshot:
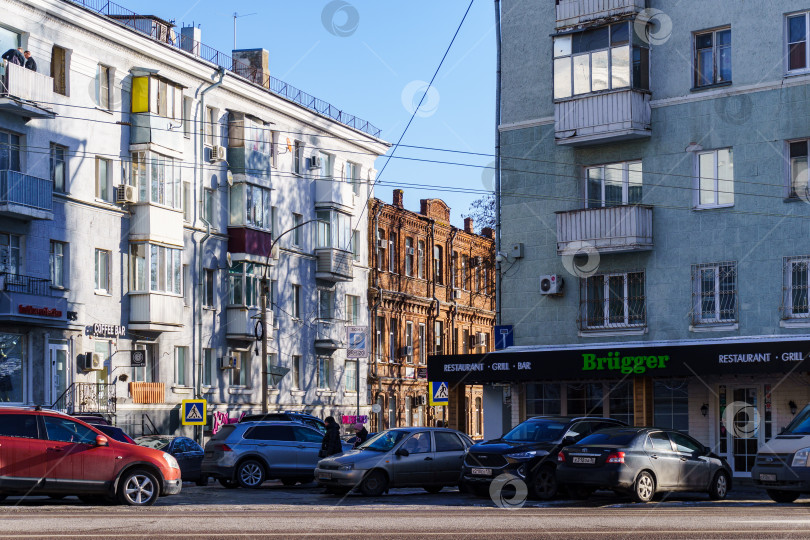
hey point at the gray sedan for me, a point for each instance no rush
(430, 458)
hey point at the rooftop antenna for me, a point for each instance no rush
(237, 16)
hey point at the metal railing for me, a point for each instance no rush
(25, 190)
(87, 398)
(19, 283)
(164, 34)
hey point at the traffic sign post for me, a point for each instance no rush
(439, 393)
(194, 412)
(357, 337)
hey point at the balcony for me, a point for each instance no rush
(333, 193)
(25, 197)
(26, 299)
(152, 223)
(575, 12)
(22, 91)
(617, 229)
(244, 323)
(330, 335)
(155, 312)
(333, 264)
(600, 118)
(148, 393)
(150, 128)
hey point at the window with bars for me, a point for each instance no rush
(715, 293)
(796, 281)
(613, 301)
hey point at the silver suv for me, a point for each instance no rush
(248, 453)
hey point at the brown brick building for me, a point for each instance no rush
(431, 291)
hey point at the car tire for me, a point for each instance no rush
(374, 484)
(643, 487)
(432, 489)
(718, 490)
(544, 484)
(289, 481)
(782, 496)
(202, 481)
(227, 483)
(138, 487)
(250, 474)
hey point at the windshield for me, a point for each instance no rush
(537, 431)
(152, 442)
(801, 424)
(619, 438)
(383, 442)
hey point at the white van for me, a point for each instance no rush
(782, 466)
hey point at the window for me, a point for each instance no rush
(353, 309)
(59, 70)
(208, 367)
(274, 298)
(158, 178)
(327, 166)
(58, 170)
(64, 430)
(438, 333)
(14, 358)
(297, 234)
(438, 267)
(165, 269)
(465, 263)
(796, 286)
(137, 271)
(392, 412)
(613, 185)
(187, 124)
(240, 375)
(392, 340)
(296, 301)
(684, 444)
(169, 99)
(57, 263)
(10, 253)
(713, 57)
(613, 301)
(379, 328)
(270, 433)
(356, 245)
(352, 176)
(103, 179)
(479, 416)
(9, 151)
(798, 188)
(324, 372)
(448, 442)
(409, 342)
(422, 345)
(484, 282)
(272, 361)
(715, 178)
(244, 284)
(23, 426)
(295, 371)
(420, 259)
(104, 86)
(671, 404)
(334, 229)
(209, 126)
(380, 248)
(208, 205)
(465, 341)
(351, 376)
(620, 402)
(102, 271)
(392, 252)
(249, 205)
(326, 304)
(599, 59)
(715, 293)
(409, 256)
(181, 366)
(297, 157)
(274, 148)
(187, 202)
(210, 288)
(145, 373)
(585, 398)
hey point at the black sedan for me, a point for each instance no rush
(189, 454)
(642, 461)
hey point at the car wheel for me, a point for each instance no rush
(138, 488)
(719, 487)
(374, 484)
(644, 487)
(229, 484)
(432, 489)
(202, 481)
(250, 474)
(782, 496)
(544, 483)
(289, 481)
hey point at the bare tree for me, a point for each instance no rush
(483, 212)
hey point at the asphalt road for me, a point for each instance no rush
(305, 512)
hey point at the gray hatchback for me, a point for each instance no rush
(248, 453)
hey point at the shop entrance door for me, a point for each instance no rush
(57, 357)
(741, 426)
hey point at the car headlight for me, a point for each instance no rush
(346, 467)
(801, 458)
(170, 461)
(523, 455)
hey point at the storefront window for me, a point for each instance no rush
(671, 404)
(620, 402)
(585, 398)
(542, 399)
(11, 368)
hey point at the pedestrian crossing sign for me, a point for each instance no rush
(194, 412)
(439, 393)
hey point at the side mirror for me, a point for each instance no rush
(402, 452)
(101, 440)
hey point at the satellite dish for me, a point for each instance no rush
(230, 178)
(228, 259)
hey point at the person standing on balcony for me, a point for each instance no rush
(14, 56)
(30, 63)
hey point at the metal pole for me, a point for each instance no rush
(265, 289)
(497, 161)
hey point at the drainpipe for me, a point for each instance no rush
(454, 262)
(201, 248)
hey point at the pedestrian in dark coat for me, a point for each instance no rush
(14, 56)
(331, 441)
(30, 63)
(361, 435)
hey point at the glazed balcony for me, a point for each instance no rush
(155, 312)
(575, 12)
(333, 193)
(25, 93)
(601, 118)
(333, 264)
(153, 223)
(25, 197)
(330, 335)
(616, 229)
(245, 323)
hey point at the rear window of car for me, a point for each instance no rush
(19, 425)
(270, 433)
(223, 432)
(620, 438)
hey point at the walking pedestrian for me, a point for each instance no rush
(362, 434)
(30, 63)
(14, 56)
(331, 444)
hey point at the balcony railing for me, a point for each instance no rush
(330, 335)
(27, 88)
(25, 284)
(87, 398)
(599, 118)
(615, 229)
(24, 196)
(571, 12)
(147, 392)
(333, 264)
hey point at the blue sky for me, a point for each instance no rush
(365, 62)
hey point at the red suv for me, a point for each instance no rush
(45, 452)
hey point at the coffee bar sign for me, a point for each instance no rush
(743, 357)
(106, 330)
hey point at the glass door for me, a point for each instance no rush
(58, 355)
(741, 427)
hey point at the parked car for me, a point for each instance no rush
(782, 465)
(187, 452)
(45, 452)
(248, 453)
(430, 458)
(303, 418)
(529, 452)
(92, 419)
(642, 461)
(114, 432)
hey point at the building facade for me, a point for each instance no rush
(431, 292)
(148, 185)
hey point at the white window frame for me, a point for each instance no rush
(349, 387)
(789, 286)
(241, 375)
(104, 86)
(295, 371)
(107, 256)
(296, 301)
(786, 43)
(625, 167)
(717, 319)
(422, 343)
(606, 300)
(324, 374)
(714, 178)
(792, 192)
(297, 234)
(107, 181)
(409, 341)
(57, 260)
(326, 305)
(181, 374)
(352, 309)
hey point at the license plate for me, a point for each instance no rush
(482, 472)
(584, 460)
(767, 477)
(325, 475)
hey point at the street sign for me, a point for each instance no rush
(504, 337)
(357, 338)
(421, 373)
(439, 393)
(193, 412)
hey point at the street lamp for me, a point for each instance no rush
(265, 290)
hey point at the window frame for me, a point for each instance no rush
(715, 58)
(181, 372)
(626, 172)
(792, 193)
(107, 257)
(324, 373)
(789, 288)
(105, 194)
(715, 179)
(585, 318)
(104, 87)
(61, 185)
(698, 296)
(209, 291)
(296, 301)
(56, 263)
(787, 43)
(295, 371)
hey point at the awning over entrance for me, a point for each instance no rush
(756, 355)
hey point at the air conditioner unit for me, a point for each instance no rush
(551, 285)
(93, 362)
(228, 362)
(315, 162)
(456, 294)
(126, 194)
(481, 338)
(381, 243)
(218, 153)
(409, 251)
